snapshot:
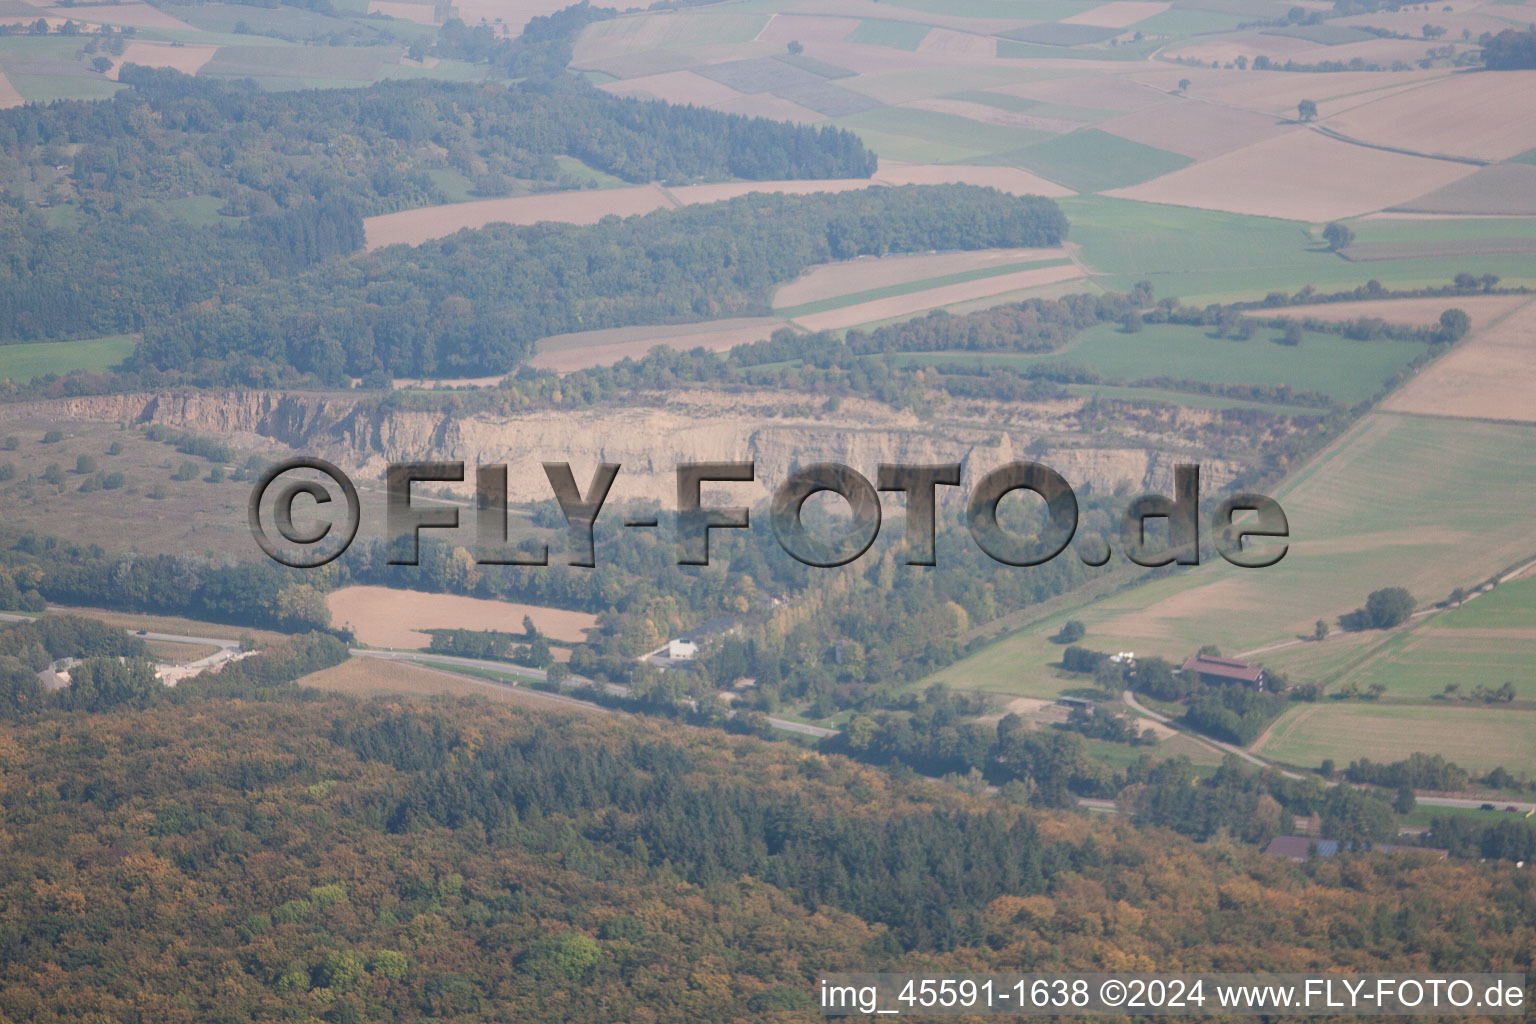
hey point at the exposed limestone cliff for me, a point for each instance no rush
(649, 440)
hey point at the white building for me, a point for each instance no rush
(681, 650)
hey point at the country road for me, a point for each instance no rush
(1227, 748)
(447, 662)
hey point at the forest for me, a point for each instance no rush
(295, 856)
(98, 183)
(475, 303)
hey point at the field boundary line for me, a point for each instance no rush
(1339, 136)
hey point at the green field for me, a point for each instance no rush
(1399, 501)
(1346, 371)
(581, 172)
(1510, 605)
(899, 35)
(942, 136)
(1204, 256)
(907, 288)
(1039, 108)
(1411, 229)
(1325, 34)
(1487, 642)
(1037, 10)
(1089, 160)
(1013, 49)
(87, 85)
(1476, 738)
(23, 362)
(1188, 399)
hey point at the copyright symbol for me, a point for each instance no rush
(312, 551)
(1112, 992)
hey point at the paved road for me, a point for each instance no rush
(1227, 748)
(448, 662)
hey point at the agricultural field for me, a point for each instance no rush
(21, 363)
(566, 352)
(1345, 371)
(1463, 115)
(903, 299)
(384, 617)
(1492, 375)
(375, 677)
(1477, 738)
(1481, 309)
(1445, 525)
(855, 278)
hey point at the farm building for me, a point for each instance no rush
(1225, 670)
(1299, 848)
(1075, 702)
(681, 650)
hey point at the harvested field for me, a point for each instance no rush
(588, 206)
(759, 74)
(412, 227)
(961, 47)
(420, 13)
(1301, 175)
(137, 15)
(807, 29)
(934, 298)
(1416, 312)
(828, 98)
(687, 195)
(9, 97)
(563, 353)
(766, 104)
(675, 87)
(993, 115)
(1228, 49)
(1013, 180)
(1491, 375)
(958, 20)
(186, 59)
(507, 16)
(1503, 189)
(1488, 116)
(375, 677)
(645, 62)
(1278, 92)
(1105, 92)
(1411, 22)
(704, 33)
(1117, 14)
(831, 280)
(1195, 129)
(1052, 33)
(384, 617)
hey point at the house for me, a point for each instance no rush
(681, 650)
(1225, 670)
(1074, 702)
(1299, 848)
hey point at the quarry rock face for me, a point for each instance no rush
(363, 436)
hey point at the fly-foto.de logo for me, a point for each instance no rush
(328, 529)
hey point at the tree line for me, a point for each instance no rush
(475, 303)
(296, 172)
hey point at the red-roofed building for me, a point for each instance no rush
(1225, 670)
